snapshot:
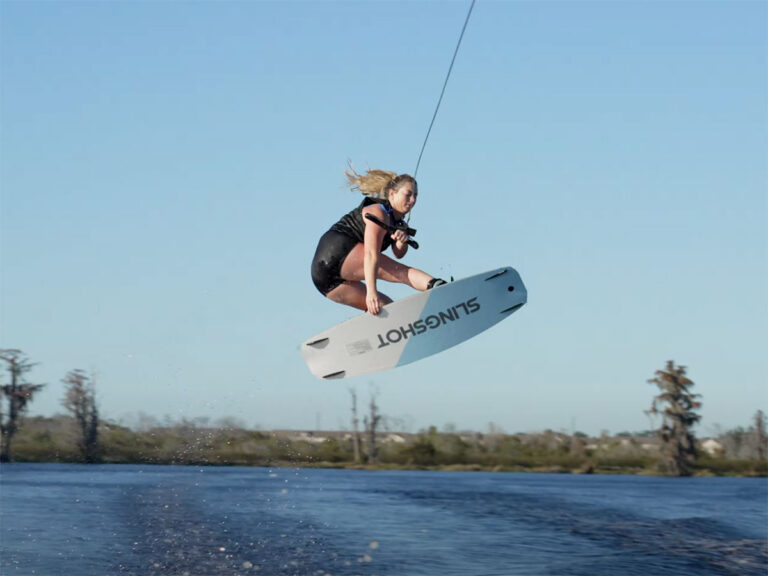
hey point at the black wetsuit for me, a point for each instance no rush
(337, 243)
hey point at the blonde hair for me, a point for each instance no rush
(376, 183)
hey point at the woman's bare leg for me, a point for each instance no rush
(352, 293)
(389, 270)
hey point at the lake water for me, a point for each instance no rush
(159, 520)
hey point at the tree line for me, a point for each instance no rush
(672, 449)
(79, 401)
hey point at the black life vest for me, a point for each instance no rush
(352, 224)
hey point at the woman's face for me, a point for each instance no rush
(404, 198)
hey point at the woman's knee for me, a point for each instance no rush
(393, 271)
(350, 294)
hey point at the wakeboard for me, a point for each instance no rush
(416, 326)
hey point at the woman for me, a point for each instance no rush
(351, 251)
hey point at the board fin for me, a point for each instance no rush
(334, 375)
(499, 273)
(320, 343)
(513, 308)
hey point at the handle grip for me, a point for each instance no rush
(410, 231)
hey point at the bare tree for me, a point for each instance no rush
(760, 438)
(371, 424)
(677, 405)
(577, 446)
(735, 443)
(17, 394)
(494, 436)
(355, 423)
(80, 402)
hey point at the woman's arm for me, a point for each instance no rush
(372, 248)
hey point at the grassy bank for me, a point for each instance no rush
(54, 440)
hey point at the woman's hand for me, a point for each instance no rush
(400, 239)
(373, 302)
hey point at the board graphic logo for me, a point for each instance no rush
(431, 322)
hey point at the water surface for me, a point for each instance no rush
(206, 521)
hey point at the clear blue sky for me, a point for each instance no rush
(167, 169)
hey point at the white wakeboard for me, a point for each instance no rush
(416, 326)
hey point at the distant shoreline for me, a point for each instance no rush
(702, 471)
(54, 440)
